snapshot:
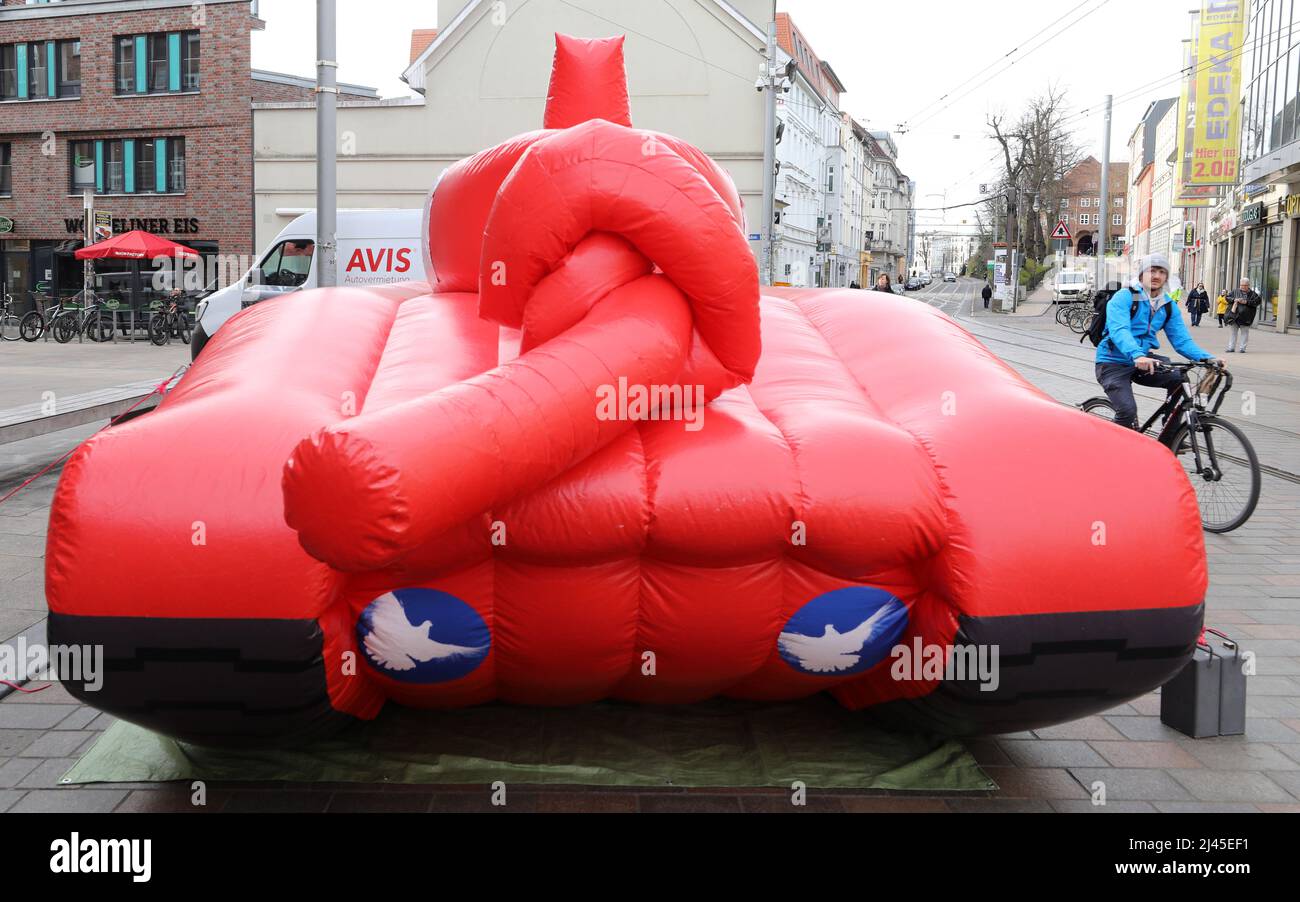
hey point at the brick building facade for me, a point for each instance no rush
(1082, 207)
(149, 103)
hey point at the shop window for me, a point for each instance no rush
(158, 63)
(190, 62)
(81, 157)
(8, 73)
(37, 79)
(144, 167)
(69, 56)
(40, 70)
(176, 165)
(130, 166)
(124, 65)
(114, 168)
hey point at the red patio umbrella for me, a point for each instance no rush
(134, 245)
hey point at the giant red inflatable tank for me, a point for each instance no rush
(590, 460)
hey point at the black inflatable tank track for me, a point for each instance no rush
(1054, 668)
(249, 682)
(209, 681)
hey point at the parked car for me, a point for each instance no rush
(374, 247)
(950, 277)
(1072, 285)
(912, 284)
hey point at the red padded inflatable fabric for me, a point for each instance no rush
(589, 460)
(588, 81)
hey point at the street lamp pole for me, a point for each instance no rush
(769, 154)
(1106, 206)
(327, 94)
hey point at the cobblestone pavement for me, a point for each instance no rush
(1145, 766)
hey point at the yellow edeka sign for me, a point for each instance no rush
(1214, 159)
(1186, 195)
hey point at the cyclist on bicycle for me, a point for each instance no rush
(1126, 356)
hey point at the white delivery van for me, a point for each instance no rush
(1072, 285)
(375, 247)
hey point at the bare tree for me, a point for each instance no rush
(1051, 153)
(1037, 152)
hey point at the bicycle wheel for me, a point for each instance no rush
(99, 328)
(64, 327)
(1062, 312)
(1099, 407)
(10, 327)
(183, 325)
(32, 326)
(158, 329)
(1228, 482)
(1080, 319)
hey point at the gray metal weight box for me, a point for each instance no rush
(1208, 696)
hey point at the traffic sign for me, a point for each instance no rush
(1061, 233)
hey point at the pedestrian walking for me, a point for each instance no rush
(1245, 302)
(1198, 302)
(987, 294)
(882, 283)
(1221, 308)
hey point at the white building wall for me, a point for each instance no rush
(1162, 188)
(485, 80)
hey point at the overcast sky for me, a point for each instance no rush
(896, 58)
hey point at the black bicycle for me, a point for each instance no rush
(1219, 460)
(10, 322)
(94, 319)
(170, 321)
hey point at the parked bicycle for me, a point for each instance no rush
(1075, 316)
(10, 322)
(32, 326)
(1219, 460)
(171, 321)
(93, 320)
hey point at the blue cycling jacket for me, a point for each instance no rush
(1128, 338)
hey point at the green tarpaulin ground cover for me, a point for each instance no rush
(716, 743)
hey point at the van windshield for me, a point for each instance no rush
(1072, 278)
(288, 264)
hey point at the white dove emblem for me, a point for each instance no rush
(832, 651)
(394, 643)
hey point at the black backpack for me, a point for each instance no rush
(1097, 327)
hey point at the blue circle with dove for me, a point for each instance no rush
(843, 632)
(422, 636)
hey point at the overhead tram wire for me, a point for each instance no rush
(1136, 93)
(1175, 78)
(996, 62)
(1009, 66)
